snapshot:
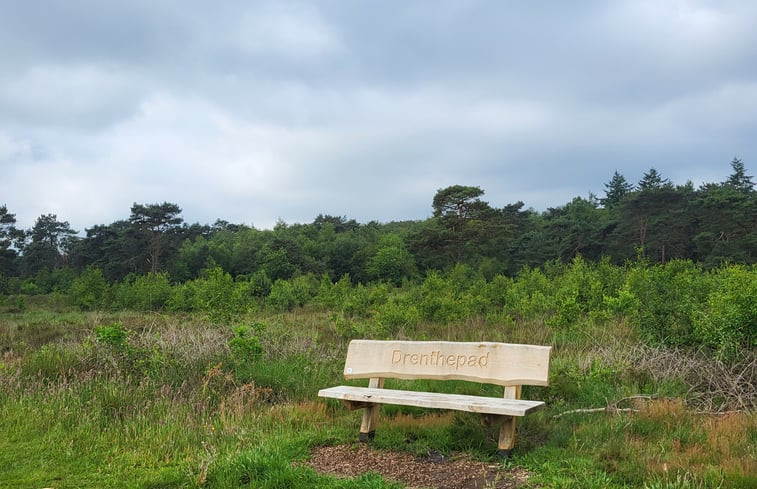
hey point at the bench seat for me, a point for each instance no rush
(458, 402)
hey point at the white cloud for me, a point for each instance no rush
(286, 29)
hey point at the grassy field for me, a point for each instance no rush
(153, 400)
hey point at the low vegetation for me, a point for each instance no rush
(212, 383)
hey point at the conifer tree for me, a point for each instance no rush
(615, 190)
(739, 179)
(652, 180)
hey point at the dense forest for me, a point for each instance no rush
(654, 220)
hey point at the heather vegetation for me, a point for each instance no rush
(155, 354)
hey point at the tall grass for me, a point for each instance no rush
(199, 399)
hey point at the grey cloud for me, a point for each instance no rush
(254, 111)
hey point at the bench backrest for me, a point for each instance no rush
(493, 363)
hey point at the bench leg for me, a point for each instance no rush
(368, 426)
(506, 437)
(370, 415)
(507, 429)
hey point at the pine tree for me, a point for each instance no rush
(8, 233)
(615, 190)
(739, 179)
(154, 221)
(653, 181)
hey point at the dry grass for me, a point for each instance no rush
(713, 386)
(686, 442)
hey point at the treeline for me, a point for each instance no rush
(654, 220)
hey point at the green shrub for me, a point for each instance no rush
(396, 314)
(499, 292)
(285, 295)
(113, 335)
(29, 287)
(439, 299)
(47, 281)
(260, 283)
(245, 344)
(666, 298)
(532, 294)
(357, 302)
(332, 295)
(246, 349)
(144, 292)
(728, 320)
(122, 357)
(282, 296)
(182, 298)
(9, 285)
(89, 290)
(219, 296)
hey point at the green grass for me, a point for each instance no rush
(172, 407)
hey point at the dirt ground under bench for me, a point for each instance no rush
(433, 471)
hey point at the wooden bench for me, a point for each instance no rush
(508, 365)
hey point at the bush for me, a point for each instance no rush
(245, 348)
(532, 294)
(29, 287)
(89, 290)
(580, 289)
(728, 320)
(332, 295)
(245, 344)
(396, 314)
(9, 285)
(666, 298)
(47, 281)
(219, 296)
(285, 295)
(144, 292)
(114, 336)
(260, 284)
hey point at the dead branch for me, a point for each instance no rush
(611, 408)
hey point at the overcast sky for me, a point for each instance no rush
(255, 111)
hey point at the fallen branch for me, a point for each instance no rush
(611, 408)
(607, 409)
(721, 413)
